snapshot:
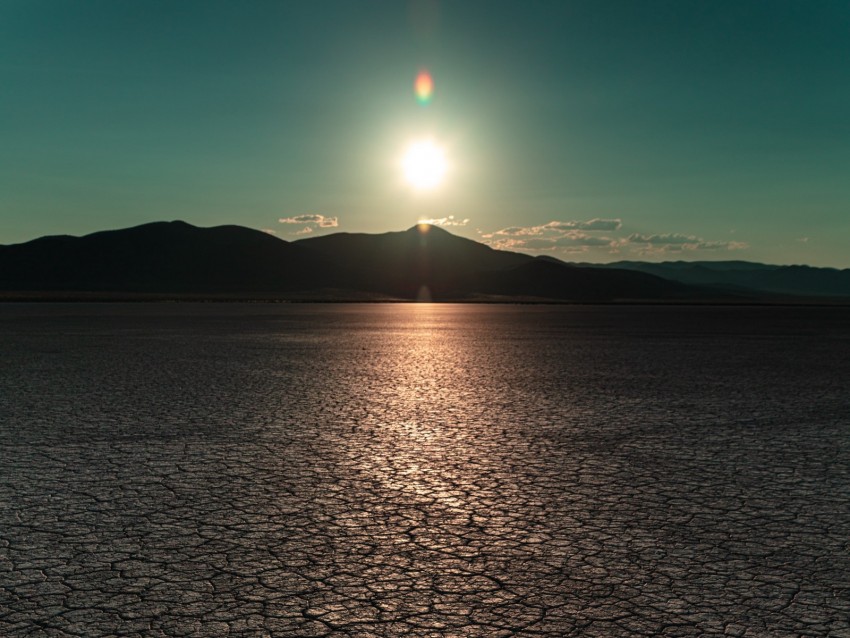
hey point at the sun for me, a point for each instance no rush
(424, 165)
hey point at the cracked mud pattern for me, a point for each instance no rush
(418, 470)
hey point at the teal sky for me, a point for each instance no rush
(592, 130)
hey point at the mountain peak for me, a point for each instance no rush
(422, 228)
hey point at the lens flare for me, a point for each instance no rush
(424, 87)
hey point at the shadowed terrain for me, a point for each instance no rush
(743, 275)
(175, 258)
(162, 257)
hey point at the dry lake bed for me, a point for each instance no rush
(424, 470)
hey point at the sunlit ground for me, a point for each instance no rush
(424, 470)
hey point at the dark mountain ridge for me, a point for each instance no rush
(161, 257)
(743, 275)
(402, 263)
(175, 259)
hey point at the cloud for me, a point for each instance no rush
(591, 224)
(558, 228)
(269, 231)
(583, 236)
(516, 231)
(305, 231)
(561, 236)
(668, 239)
(574, 241)
(512, 230)
(319, 220)
(566, 242)
(445, 221)
(676, 242)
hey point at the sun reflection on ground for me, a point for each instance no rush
(429, 426)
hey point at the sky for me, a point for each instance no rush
(592, 130)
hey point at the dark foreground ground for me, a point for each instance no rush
(415, 470)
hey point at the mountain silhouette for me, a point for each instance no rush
(548, 278)
(175, 258)
(162, 257)
(404, 263)
(744, 275)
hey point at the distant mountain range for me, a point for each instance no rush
(748, 276)
(176, 259)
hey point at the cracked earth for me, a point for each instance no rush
(416, 470)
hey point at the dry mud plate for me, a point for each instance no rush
(417, 470)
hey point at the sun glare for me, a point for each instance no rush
(424, 165)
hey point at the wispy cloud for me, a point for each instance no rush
(269, 231)
(558, 228)
(591, 224)
(445, 221)
(676, 242)
(318, 220)
(576, 236)
(669, 239)
(573, 241)
(562, 236)
(305, 231)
